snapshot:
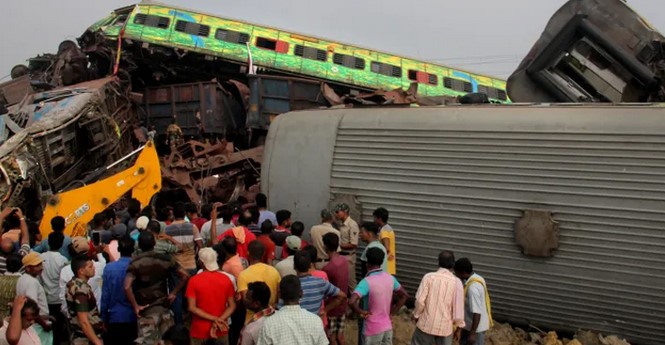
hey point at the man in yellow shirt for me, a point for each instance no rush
(258, 272)
(387, 237)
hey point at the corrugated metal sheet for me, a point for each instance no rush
(459, 177)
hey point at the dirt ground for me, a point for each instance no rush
(500, 334)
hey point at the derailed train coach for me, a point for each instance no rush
(593, 51)
(561, 208)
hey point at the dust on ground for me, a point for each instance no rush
(500, 334)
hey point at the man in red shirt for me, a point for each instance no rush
(211, 300)
(241, 233)
(193, 214)
(266, 229)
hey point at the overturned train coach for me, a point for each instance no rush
(561, 208)
(593, 51)
(56, 140)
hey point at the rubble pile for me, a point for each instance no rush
(500, 334)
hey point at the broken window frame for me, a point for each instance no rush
(417, 76)
(549, 70)
(281, 47)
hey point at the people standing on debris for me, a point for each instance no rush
(387, 237)
(376, 292)
(30, 286)
(211, 301)
(53, 264)
(369, 232)
(477, 306)
(262, 204)
(349, 233)
(146, 286)
(266, 230)
(281, 232)
(297, 229)
(292, 324)
(257, 299)
(337, 270)
(258, 272)
(316, 234)
(116, 311)
(286, 266)
(439, 304)
(86, 325)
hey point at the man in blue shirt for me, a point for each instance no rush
(369, 233)
(315, 290)
(58, 225)
(117, 312)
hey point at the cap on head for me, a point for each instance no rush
(32, 259)
(342, 207)
(208, 258)
(293, 242)
(142, 222)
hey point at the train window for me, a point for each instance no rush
(433, 79)
(271, 44)
(501, 94)
(348, 61)
(231, 36)
(423, 77)
(192, 28)
(386, 69)
(310, 53)
(457, 85)
(152, 20)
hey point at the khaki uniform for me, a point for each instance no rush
(349, 234)
(316, 234)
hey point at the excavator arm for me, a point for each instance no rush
(79, 206)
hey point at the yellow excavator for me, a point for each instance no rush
(78, 206)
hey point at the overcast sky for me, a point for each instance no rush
(486, 36)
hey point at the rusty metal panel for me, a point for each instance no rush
(272, 95)
(13, 91)
(193, 105)
(459, 177)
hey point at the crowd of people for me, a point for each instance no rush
(224, 274)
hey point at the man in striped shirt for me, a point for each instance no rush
(315, 290)
(439, 304)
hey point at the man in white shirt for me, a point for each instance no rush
(54, 262)
(477, 308)
(29, 286)
(81, 246)
(285, 267)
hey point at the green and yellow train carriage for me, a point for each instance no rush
(291, 53)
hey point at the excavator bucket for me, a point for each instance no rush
(79, 206)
